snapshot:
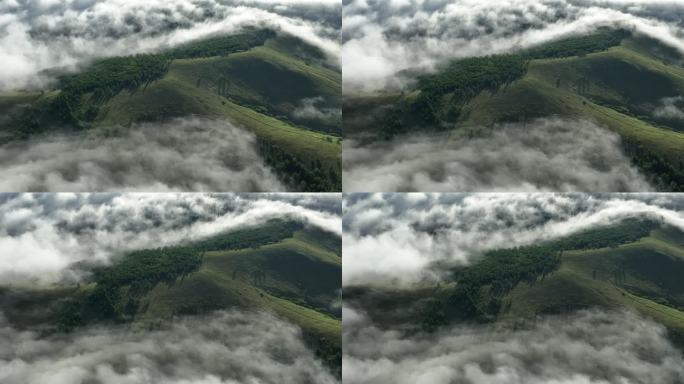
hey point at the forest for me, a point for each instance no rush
(627, 231)
(463, 79)
(299, 174)
(481, 286)
(272, 232)
(107, 77)
(119, 286)
(662, 173)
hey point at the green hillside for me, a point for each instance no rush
(259, 80)
(279, 267)
(612, 78)
(634, 264)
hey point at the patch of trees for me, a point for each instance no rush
(272, 232)
(462, 80)
(481, 287)
(664, 174)
(221, 45)
(105, 78)
(297, 173)
(627, 231)
(119, 286)
(578, 46)
(465, 79)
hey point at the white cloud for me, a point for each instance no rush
(43, 235)
(216, 156)
(591, 347)
(381, 38)
(671, 108)
(39, 35)
(544, 155)
(402, 239)
(223, 348)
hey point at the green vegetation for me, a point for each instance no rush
(635, 264)
(250, 79)
(222, 45)
(576, 78)
(480, 287)
(297, 173)
(461, 80)
(578, 45)
(281, 266)
(272, 232)
(624, 232)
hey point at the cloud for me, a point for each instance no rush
(545, 155)
(381, 38)
(312, 108)
(671, 108)
(36, 35)
(403, 239)
(590, 347)
(42, 236)
(222, 348)
(184, 154)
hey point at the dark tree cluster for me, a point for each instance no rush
(272, 232)
(119, 286)
(105, 78)
(627, 231)
(222, 45)
(663, 174)
(297, 173)
(578, 46)
(481, 287)
(461, 80)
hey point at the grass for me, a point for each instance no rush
(258, 90)
(645, 288)
(215, 286)
(302, 279)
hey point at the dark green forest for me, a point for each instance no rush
(461, 80)
(119, 286)
(481, 286)
(297, 173)
(107, 77)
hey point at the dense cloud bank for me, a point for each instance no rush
(42, 236)
(408, 238)
(545, 155)
(381, 38)
(223, 348)
(590, 347)
(184, 155)
(36, 35)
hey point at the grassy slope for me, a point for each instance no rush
(629, 78)
(177, 94)
(653, 286)
(213, 286)
(302, 293)
(265, 84)
(647, 287)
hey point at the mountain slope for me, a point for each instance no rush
(615, 79)
(634, 265)
(276, 86)
(281, 267)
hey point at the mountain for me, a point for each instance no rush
(283, 267)
(283, 90)
(627, 83)
(634, 264)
